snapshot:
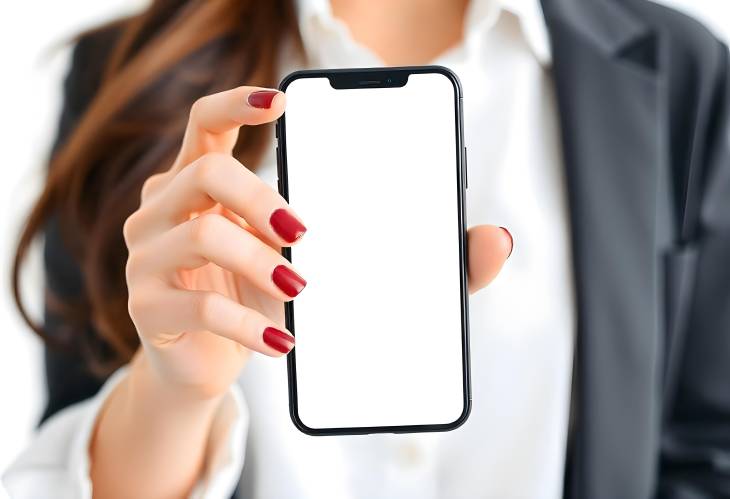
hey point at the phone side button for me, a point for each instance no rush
(466, 170)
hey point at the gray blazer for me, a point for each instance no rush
(644, 103)
(644, 100)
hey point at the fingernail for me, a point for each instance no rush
(286, 226)
(261, 98)
(511, 241)
(278, 340)
(288, 281)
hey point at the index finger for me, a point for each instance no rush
(215, 119)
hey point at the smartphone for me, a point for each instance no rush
(373, 161)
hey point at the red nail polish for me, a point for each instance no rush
(288, 281)
(511, 241)
(286, 226)
(278, 340)
(261, 98)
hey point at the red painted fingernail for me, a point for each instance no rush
(288, 281)
(289, 228)
(278, 340)
(511, 241)
(261, 98)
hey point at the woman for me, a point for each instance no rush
(161, 244)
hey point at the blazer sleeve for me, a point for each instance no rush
(695, 442)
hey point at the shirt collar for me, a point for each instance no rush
(317, 22)
(534, 28)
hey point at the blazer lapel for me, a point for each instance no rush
(611, 108)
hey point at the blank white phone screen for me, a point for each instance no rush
(373, 175)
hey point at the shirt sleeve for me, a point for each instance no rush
(56, 463)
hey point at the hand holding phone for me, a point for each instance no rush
(202, 293)
(208, 360)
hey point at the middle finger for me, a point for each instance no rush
(212, 238)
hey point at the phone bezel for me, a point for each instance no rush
(365, 78)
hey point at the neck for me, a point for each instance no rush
(403, 32)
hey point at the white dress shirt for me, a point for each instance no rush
(522, 325)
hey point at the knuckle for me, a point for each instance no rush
(196, 107)
(205, 228)
(205, 167)
(137, 304)
(134, 263)
(150, 185)
(130, 227)
(248, 321)
(205, 306)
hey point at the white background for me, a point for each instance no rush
(32, 69)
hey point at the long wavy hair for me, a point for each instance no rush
(161, 61)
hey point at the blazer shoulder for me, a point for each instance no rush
(88, 60)
(689, 39)
(84, 77)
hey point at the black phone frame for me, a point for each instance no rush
(353, 78)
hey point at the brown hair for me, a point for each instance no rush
(162, 61)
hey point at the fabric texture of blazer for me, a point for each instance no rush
(644, 104)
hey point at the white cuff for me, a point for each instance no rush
(56, 462)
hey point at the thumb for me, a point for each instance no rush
(489, 247)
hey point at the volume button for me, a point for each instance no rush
(278, 161)
(466, 170)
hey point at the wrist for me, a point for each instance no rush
(146, 385)
(152, 430)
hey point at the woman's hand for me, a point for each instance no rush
(206, 285)
(205, 275)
